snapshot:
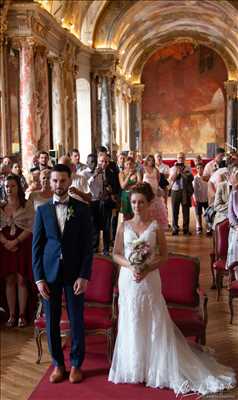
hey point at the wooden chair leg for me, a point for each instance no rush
(39, 347)
(109, 346)
(212, 259)
(218, 284)
(231, 307)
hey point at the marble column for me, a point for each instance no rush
(231, 114)
(29, 143)
(113, 115)
(106, 111)
(95, 112)
(42, 116)
(136, 117)
(57, 105)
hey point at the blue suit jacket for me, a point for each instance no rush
(75, 244)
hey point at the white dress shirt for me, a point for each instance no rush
(61, 211)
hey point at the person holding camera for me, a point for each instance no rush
(181, 179)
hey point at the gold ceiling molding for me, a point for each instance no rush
(149, 25)
(137, 28)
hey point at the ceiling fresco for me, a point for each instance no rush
(138, 28)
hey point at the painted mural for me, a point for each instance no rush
(183, 107)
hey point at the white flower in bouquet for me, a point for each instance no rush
(139, 254)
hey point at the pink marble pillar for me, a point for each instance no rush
(42, 116)
(27, 102)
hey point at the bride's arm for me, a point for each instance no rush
(162, 255)
(118, 251)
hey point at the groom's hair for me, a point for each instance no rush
(61, 168)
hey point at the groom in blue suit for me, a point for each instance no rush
(62, 258)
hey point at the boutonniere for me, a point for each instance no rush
(70, 213)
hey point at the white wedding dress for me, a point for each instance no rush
(149, 347)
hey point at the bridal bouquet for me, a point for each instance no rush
(139, 254)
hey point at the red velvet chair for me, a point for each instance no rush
(100, 313)
(233, 287)
(186, 303)
(221, 248)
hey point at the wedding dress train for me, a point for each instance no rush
(149, 347)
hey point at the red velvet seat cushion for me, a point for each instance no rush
(221, 238)
(100, 286)
(190, 322)
(179, 278)
(97, 318)
(219, 265)
(234, 288)
(40, 323)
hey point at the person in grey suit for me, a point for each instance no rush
(181, 179)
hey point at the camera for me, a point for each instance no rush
(222, 164)
(180, 165)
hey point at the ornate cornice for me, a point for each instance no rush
(136, 92)
(104, 63)
(3, 20)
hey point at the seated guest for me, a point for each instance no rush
(41, 196)
(16, 170)
(232, 254)
(200, 196)
(33, 180)
(16, 221)
(79, 188)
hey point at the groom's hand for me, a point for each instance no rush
(44, 290)
(80, 286)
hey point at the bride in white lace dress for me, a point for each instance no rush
(149, 347)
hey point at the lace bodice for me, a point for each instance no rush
(148, 235)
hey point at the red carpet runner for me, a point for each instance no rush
(95, 385)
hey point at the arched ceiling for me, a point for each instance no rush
(137, 28)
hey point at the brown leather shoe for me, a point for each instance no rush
(75, 375)
(57, 375)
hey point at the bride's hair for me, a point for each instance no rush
(145, 189)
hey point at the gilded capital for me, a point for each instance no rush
(231, 89)
(136, 92)
(104, 63)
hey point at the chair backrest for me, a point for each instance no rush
(221, 239)
(100, 286)
(180, 280)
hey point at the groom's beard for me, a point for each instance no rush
(61, 192)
